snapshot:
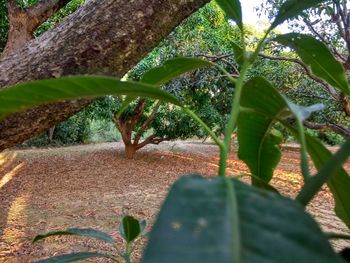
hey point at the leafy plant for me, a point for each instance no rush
(129, 228)
(222, 219)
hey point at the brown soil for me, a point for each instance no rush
(94, 185)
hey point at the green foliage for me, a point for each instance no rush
(74, 130)
(101, 130)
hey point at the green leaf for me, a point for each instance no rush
(130, 228)
(173, 68)
(233, 10)
(339, 182)
(318, 57)
(261, 107)
(293, 8)
(258, 146)
(223, 220)
(73, 257)
(27, 95)
(85, 232)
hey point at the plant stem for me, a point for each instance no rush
(233, 118)
(236, 100)
(127, 253)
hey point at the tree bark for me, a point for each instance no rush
(130, 150)
(103, 37)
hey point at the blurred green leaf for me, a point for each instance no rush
(318, 57)
(233, 10)
(223, 220)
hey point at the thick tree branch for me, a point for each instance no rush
(329, 127)
(137, 114)
(103, 37)
(44, 9)
(151, 140)
(147, 123)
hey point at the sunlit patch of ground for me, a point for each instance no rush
(92, 186)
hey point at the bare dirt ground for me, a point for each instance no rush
(93, 186)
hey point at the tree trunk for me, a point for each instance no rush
(130, 150)
(50, 133)
(103, 37)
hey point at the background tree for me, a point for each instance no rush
(205, 91)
